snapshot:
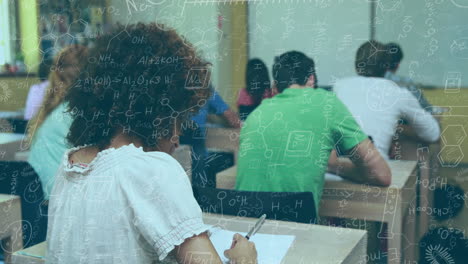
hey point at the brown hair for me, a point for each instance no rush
(63, 73)
(371, 59)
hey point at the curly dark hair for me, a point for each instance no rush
(142, 80)
(371, 59)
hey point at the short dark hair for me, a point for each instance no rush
(371, 59)
(292, 67)
(257, 78)
(394, 55)
(142, 80)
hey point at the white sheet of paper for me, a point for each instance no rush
(271, 249)
(332, 177)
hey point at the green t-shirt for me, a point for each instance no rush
(285, 143)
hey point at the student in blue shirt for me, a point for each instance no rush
(195, 133)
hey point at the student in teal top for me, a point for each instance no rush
(288, 142)
(49, 145)
(49, 127)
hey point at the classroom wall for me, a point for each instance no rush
(14, 91)
(197, 22)
(328, 31)
(434, 38)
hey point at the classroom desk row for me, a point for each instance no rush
(312, 243)
(11, 148)
(394, 205)
(10, 144)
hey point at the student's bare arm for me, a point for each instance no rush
(232, 118)
(197, 249)
(365, 165)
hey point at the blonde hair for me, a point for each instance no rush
(61, 77)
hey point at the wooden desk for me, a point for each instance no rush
(313, 243)
(181, 154)
(31, 255)
(428, 163)
(226, 179)
(10, 144)
(392, 205)
(410, 148)
(226, 139)
(11, 232)
(22, 155)
(11, 114)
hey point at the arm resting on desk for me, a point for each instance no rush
(199, 249)
(365, 165)
(232, 118)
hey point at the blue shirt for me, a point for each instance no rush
(49, 145)
(215, 105)
(196, 138)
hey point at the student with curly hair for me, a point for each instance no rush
(119, 197)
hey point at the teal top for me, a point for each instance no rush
(49, 145)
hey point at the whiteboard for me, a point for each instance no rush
(434, 39)
(328, 31)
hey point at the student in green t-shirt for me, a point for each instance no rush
(288, 142)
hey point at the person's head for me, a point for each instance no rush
(64, 70)
(257, 78)
(141, 81)
(44, 69)
(394, 56)
(293, 68)
(371, 59)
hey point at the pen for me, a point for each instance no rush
(256, 227)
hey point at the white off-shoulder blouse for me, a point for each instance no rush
(126, 206)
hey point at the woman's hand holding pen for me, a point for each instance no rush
(242, 251)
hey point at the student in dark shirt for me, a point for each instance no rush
(257, 87)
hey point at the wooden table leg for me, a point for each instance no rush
(14, 242)
(410, 234)
(393, 217)
(11, 229)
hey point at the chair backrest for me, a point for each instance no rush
(18, 125)
(285, 206)
(19, 178)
